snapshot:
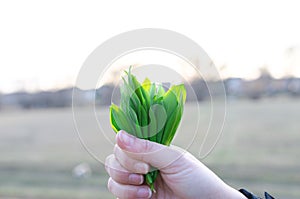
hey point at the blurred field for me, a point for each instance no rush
(259, 150)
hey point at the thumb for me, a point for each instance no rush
(157, 155)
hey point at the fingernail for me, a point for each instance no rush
(141, 168)
(125, 138)
(135, 179)
(144, 192)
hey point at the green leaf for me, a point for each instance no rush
(152, 92)
(134, 120)
(170, 102)
(144, 122)
(146, 85)
(173, 123)
(120, 120)
(113, 122)
(158, 100)
(160, 91)
(129, 96)
(136, 86)
(161, 119)
(160, 115)
(180, 92)
(171, 126)
(146, 98)
(152, 125)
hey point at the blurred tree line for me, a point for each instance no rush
(197, 89)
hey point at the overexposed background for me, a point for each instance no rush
(43, 44)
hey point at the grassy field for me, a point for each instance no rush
(259, 149)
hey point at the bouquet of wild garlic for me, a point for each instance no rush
(149, 112)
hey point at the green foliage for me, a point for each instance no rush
(149, 112)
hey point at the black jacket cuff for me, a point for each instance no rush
(251, 196)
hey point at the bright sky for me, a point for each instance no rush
(44, 43)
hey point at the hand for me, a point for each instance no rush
(181, 174)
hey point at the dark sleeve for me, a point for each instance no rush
(251, 196)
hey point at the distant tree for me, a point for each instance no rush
(264, 72)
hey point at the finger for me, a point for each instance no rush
(155, 154)
(128, 191)
(133, 165)
(120, 174)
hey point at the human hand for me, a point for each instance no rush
(181, 174)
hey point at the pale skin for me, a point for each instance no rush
(181, 174)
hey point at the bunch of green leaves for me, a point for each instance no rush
(149, 112)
